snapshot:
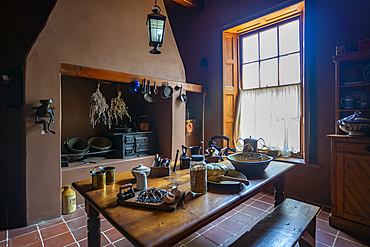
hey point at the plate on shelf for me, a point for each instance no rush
(351, 80)
(357, 95)
(366, 73)
(354, 82)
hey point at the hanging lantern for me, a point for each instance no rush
(155, 24)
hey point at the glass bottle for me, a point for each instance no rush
(198, 175)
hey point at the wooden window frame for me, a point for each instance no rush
(259, 60)
(232, 79)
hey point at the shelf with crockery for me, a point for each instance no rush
(352, 85)
(354, 109)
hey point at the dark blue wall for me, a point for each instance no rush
(328, 23)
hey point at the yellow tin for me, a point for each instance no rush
(98, 178)
(109, 174)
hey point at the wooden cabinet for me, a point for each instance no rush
(350, 179)
(350, 155)
(352, 85)
(133, 144)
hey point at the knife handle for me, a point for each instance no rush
(227, 178)
(174, 165)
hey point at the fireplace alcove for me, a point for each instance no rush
(73, 35)
(77, 86)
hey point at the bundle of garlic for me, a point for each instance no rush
(98, 107)
(118, 109)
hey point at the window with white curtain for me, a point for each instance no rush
(272, 114)
(269, 104)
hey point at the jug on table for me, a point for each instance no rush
(241, 143)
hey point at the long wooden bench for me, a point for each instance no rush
(291, 223)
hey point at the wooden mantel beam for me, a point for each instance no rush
(197, 5)
(112, 76)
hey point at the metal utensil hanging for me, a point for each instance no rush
(143, 88)
(166, 90)
(148, 96)
(183, 96)
(155, 90)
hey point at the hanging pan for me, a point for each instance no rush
(166, 90)
(148, 96)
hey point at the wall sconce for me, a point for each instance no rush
(45, 115)
(155, 24)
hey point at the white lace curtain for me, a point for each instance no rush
(272, 114)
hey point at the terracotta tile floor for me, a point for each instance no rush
(70, 230)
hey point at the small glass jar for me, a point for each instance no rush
(198, 175)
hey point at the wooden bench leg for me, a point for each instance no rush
(309, 237)
(93, 226)
(279, 190)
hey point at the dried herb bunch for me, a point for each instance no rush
(118, 109)
(98, 107)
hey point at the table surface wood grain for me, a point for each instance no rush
(148, 227)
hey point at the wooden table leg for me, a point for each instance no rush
(93, 226)
(279, 190)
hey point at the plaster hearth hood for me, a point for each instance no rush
(109, 35)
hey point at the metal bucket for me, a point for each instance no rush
(100, 143)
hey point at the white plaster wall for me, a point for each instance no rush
(101, 34)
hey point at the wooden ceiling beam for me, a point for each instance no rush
(197, 5)
(113, 76)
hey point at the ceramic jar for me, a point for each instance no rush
(68, 200)
(140, 168)
(347, 102)
(250, 143)
(363, 104)
(355, 125)
(141, 182)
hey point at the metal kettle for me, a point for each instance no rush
(241, 143)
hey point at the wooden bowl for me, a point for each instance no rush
(100, 143)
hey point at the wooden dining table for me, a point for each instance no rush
(154, 227)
